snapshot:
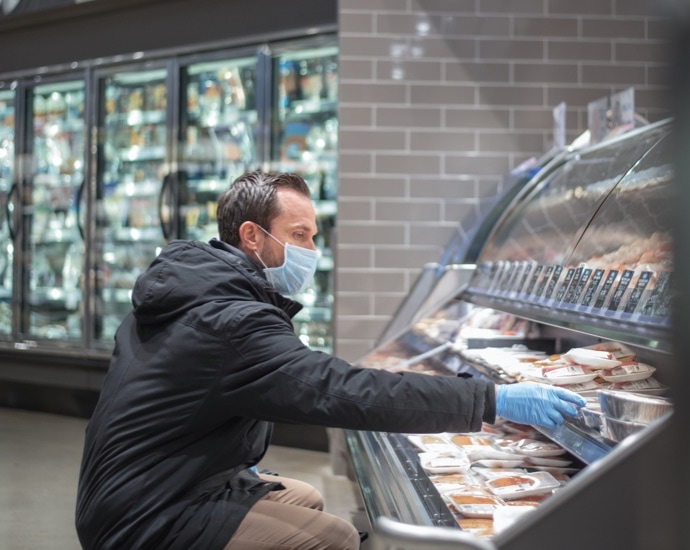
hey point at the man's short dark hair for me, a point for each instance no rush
(252, 197)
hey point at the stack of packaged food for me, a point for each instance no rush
(609, 365)
(504, 470)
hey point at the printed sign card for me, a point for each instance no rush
(559, 125)
(623, 285)
(592, 288)
(566, 283)
(552, 283)
(653, 307)
(579, 285)
(597, 122)
(544, 280)
(637, 292)
(604, 292)
(623, 110)
(535, 278)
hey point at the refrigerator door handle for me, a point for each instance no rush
(80, 194)
(165, 186)
(9, 210)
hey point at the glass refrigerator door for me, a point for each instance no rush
(218, 138)
(133, 205)
(305, 141)
(6, 179)
(55, 248)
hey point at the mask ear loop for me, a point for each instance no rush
(262, 262)
(272, 237)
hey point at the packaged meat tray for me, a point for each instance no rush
(431, 443)
(592, 358)
(443, 463)
(518, 486)
(474, 505)
(628, 372)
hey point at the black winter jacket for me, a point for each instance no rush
(203, 365)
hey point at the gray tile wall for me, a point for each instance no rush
(439, 99)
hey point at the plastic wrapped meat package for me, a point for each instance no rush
(503, 466)
(607, 365)
(489, 323)
(511, 487)
(514, 361)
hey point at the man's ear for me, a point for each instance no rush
(250, 237)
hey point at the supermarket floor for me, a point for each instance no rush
(39, 465)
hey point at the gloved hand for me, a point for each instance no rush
(536, 404)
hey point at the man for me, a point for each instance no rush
(208, 359)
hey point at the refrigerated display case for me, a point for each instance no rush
(305, 141)
(582, 260)
(53, 253)
(219, 134)
(7, 139)
(135, 211)
(103, 162)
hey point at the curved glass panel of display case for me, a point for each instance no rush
(556, 256)
(546, 226)
(628, 244)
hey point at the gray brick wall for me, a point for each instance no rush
(439, 99)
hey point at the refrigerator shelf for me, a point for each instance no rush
(138, 234)
(119, 295)
(136, 118)
(55, 298)
(55, 126)
(136, 153)
(298, 108)
(227, 124)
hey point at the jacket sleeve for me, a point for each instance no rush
(269, 374)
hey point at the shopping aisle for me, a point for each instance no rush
(39, 466)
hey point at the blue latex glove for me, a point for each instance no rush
(536, 404)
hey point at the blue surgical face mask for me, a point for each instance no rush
(297, 270)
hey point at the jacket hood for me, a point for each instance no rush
(188, 274)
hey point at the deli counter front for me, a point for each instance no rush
(571, 288)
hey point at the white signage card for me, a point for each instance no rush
(559, 125)
(623, 110)
(596, 119)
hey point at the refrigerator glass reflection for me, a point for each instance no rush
(54, 263)
(305, 141)
(218, 131)
(134, 213)
(6, 179)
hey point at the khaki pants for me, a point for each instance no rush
(292, 519)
